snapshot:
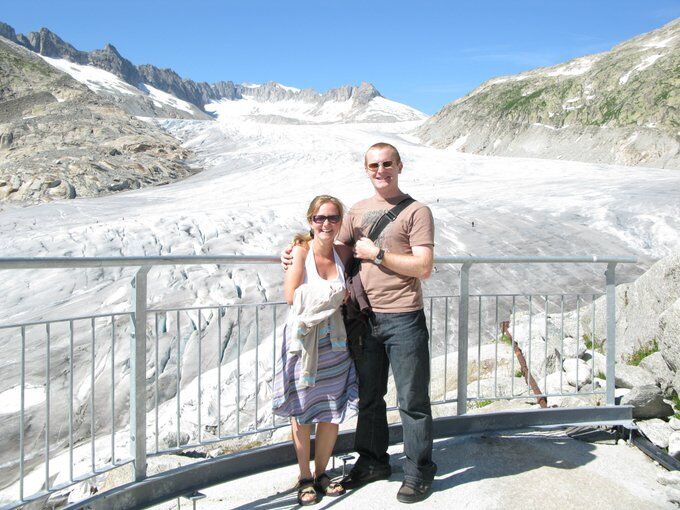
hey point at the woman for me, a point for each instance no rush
(315, 379)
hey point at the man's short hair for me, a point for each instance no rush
(381, 146)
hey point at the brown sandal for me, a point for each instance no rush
(323, 483)
(306, 487)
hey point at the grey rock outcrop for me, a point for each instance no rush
(59, 140)
(641, 318)
(657, 431)
(656, 365)
(110, 60)
(648, 403)
(629, 376)
(669, 331)
(674, 444)
(616, 107)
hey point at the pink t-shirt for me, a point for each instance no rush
(390, 292)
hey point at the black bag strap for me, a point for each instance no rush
(388, 218)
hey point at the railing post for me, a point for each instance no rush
(463, 306)
(611, 332)
(138, 375)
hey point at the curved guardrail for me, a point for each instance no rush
(207, 321)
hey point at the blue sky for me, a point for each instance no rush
(425, 54)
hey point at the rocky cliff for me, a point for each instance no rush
(621, 106)
(48, 44)
(58, 139)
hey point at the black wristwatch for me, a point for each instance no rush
(379, 257)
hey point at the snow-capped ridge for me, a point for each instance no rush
(200, 94)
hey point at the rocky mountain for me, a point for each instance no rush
(136, 100)
(620, 106)
(143, 90)
(278, 104)
(58, 139)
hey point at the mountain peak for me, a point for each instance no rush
(7, 32)
(110, 48)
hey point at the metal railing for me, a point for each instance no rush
(240, 394)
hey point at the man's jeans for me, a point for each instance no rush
(399, 339)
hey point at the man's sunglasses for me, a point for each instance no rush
(385, 164)
(320, 218)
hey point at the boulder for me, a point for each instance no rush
(657, 431)
(674, 423)
(577, 401)
(675, 385)
(669, 325)
(656, 365)
(629, 376)
(599, 363)
(674, 444)
(578, 372)
(498, 387)
(647, 402)
(669, 478)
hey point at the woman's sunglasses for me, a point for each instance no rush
(320, 218)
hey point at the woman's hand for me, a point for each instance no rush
(287, 257)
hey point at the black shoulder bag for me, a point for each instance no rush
(357, 309)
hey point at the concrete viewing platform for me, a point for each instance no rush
(506, 470)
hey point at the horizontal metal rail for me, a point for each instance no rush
(169, 260)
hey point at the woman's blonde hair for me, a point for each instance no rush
(314, 205)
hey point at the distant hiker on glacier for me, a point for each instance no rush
(392, 264)
(315, 379)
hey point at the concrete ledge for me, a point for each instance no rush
(176, 482)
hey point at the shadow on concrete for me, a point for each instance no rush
(466, 459)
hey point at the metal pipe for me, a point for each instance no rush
(179, 373)
(531, 320)
(47, 407)
(70, 402)
(545, 356)
(238, 375)
(138, 375)
(562, 340)
(219, 371)
(169, 260)
(512, 358)
(257, 361)
(446, 339)
(461, 405)
(592, 339)
(578, 334)
(495, 370)
(155, 382)
(92, 399)
(200, 362)
(611, 331)
(113, 390)
(22, 418)
(274, 357)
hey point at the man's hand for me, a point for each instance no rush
(287, 257)
(366, 249)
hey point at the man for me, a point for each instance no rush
(391, 269)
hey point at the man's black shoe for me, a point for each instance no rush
(412, 492)
(360, 477)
